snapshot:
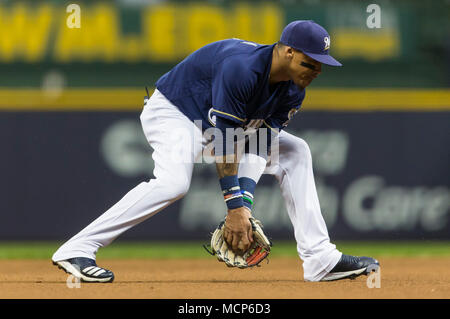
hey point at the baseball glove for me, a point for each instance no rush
(258, 251)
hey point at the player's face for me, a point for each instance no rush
(303, 69)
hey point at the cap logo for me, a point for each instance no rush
(327, 43)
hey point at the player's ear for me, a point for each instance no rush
(289, 53)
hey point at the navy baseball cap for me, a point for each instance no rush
(311, 39)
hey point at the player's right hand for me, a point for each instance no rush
(238, 232)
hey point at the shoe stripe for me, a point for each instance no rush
(90, 272)
(99, 272)
(85, 270)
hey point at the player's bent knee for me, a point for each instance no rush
(174, 188)
(179, 190)
(298, 148)
(303, 148)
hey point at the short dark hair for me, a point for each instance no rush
(281, 45)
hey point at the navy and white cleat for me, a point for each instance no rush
(352, 267)
(85, 269)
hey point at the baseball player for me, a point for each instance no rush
(223, 86)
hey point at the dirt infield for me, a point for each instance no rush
(281, 278)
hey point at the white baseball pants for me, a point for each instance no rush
(176, 142)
